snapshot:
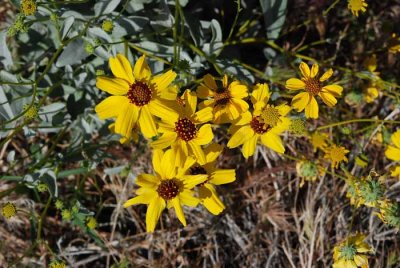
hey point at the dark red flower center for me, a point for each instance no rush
(186, 129)
(258, 126)
(313, 86)
(168, 189)
(139, 94)
(222, 96)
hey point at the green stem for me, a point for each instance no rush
(41, 219)
(361, 120)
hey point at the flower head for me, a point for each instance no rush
(319, 141)
(266, 123)
(351, 253)
(206, 190)
(356, 6)
(226, 100)
(393, 152)
(28, 7)
(168, 187)
(298, 126)
(307, 171)
(31, 111)
(313, 87)
(184, 130)
(336, 154)
(107, 25)
(9, 210)
(137, 96)
(389, 213)
(57, 264)
(91, 223)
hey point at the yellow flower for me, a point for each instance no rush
(107, 25)
(167, 188)
(31, 111)
(319, 141)
(266, 122)
(137, 96)
(356, 6)
(298, 126)
(9, 210)
(313, 87)
(393, 152)
(371, 93)
(57, 264)
(133, 135)
(307, 171)
(336, 154)
(180, 130)
(91, 223)
(351, 253)
(206, 190)
(226, 99)
(28, 7)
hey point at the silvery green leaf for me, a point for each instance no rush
(156, 48)
(105, 6)
(8, 77)
(194, 30)
(11, 156)
(274, 16)
(236, 70)
(53, 107)
(97, 32)
(130, 25)
(114, 170)
(73, 53)
(102, 53)
(5, 54)
(50, 179)
(68, 22)
(6, 112)
(216, 40)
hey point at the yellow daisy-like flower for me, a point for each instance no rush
(393, 152)
(351, 253)
(28, 7)
(319, 141)
(107, 25)
(206, 190)
(266, 123)
(356, 6)
(336, 154)
(313, 87)
(9, 210)
(225, 99)
(137, 96)
(167, 188)
(180, 130)
(371, 93)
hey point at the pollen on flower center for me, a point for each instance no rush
(313, 86)
(168, 189)
(222, 96)
(270, 116)
(186, 129)
(258, 126)
(139, 94)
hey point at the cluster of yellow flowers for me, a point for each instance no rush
(184, 156)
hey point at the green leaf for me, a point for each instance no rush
(5, 54)
(274, 16)
(105, 6)
(73, 53)
(68, 22)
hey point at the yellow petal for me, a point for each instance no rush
(147, 180)
(260, 93)
(197, 152)
(156, 206)
(222, 176)
(164, 141)
(162, 81)
(178, 210)
(240, 105)
(181, 152)
(273, 142)
(225, 81)
(360, 260)
(393, 153)
(283, 109)
(213, 151)
(126, 119)
(314, 70)
(142, 71)
(186, 198)
(312, 109)
(240, 136)
(335, 90)
(191, 181)
(156, 161)
(190, 102)
(204, 92)
(163, 109)
(326, 75)
(238, 90)
(305, 70)
(328, 99)
(204, 115)
(295, 84)
(140, 199)
(168, 169)
(233, 111)
(395, 138)
(301, 100)
(249, 146)
(210, 199)
(205, 135)
(114, 86)
(111, 106)
(121, 68)
(209, 81)
(146, 122)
